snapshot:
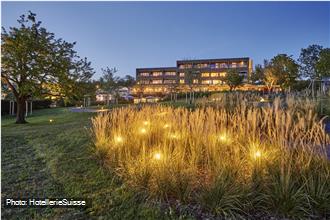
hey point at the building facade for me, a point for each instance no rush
(199, 75)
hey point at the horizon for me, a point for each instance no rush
(131, 35)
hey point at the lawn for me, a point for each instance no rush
(55, 159)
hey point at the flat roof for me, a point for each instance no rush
(156, 68)
(214, 60)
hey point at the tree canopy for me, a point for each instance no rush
(37, 64)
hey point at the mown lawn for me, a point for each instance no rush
(44, 159)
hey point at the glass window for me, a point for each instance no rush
(181, 74)
(233, 65)
(214, 74)
(212, 65)
(195, 81)
(144, 74)
(157, 73)
(181, 81)
(169, 81)
(222, 74)
(170, 73)
(159, 81)
(216, 82)
(206, 81)
(205, 74)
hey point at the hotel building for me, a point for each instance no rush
(199, 75)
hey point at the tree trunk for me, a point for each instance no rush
(20, 115)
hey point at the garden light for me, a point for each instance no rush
(143, 131)
(166, 126)
(50, 120)
(157, 156)
(257, 154)
(262, 100)
(145, 122)
(119, 139)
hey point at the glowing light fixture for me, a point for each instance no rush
(119, 139)
(145, 122)
(262, 99)
(50, 120)
(143, 131)
(257, 154)
(157, 156)
(166, 126)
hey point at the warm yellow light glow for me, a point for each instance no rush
(223, 137)
(145, 122)
(262, 100)
(143, 131)
(157, 156)
(166, 126)
(119, 139)
(50, 120)
(257, 154)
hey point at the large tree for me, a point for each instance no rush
(285, 69)
(36, 64)
(323, 64)
(308, 58)
(233, 79)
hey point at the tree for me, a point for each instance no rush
(258, 74)
(308, 58)
(110, 82)
(233, 79)
(127, 81)
(191, 73)
(323, 64)
(285, 69)
(35, 63)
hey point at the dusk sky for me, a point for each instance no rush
(129, 35)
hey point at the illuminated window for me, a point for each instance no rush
(206, 81)
(181, 66)
(170, 73)
(144, 74)
(214, 74)
(169, 81)
(181, 74)
(242, 64)
(205, 74)
(222, 74)
(159, 81)
(157, 73)
(233, 65)
(144, 82)
(195, 81)
(181, 81)
(216, 82)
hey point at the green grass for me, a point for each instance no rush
(43, 159)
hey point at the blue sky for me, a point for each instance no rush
(129, 35)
